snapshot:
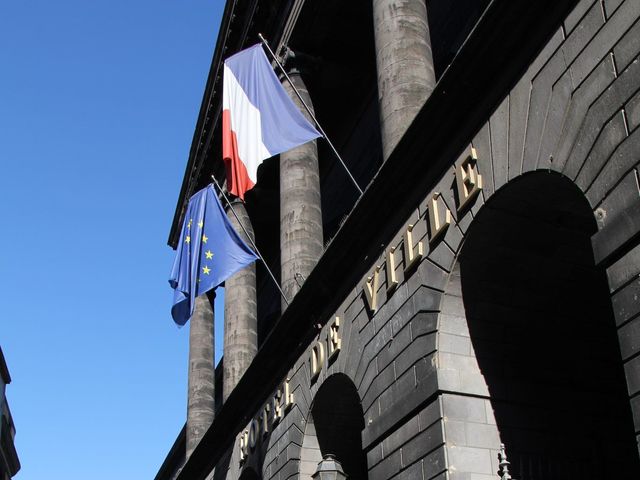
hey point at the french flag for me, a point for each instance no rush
(259, 120)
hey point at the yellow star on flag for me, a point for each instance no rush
(209, 254)
(200, 224)
(188, 239)
(204, 238)
(206, 270)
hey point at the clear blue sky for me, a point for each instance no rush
(98, 103)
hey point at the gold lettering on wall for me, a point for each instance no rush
(392, 281)
(288, 396)
(270, 416)
(334, 343)
(371, 290)
(278, 411)
(468, 180)
(265, 420)
(412, 254)
(316, 360)
(437, 225)
(253, 434)
(244, 446)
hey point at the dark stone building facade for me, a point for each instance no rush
(9, 462)
(485, 287)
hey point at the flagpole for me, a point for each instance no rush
(322, 132)
(249, 237)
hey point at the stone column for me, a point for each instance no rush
(240, 311)
(405, 65)
(200, 404)
(300, 211)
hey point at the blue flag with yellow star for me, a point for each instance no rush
(210, 251)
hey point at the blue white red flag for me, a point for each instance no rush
(259, 119)
(210, 251)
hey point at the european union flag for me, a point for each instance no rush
(210, 251)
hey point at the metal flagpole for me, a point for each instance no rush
(322, 132)
(249, 237)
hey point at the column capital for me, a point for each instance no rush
(298, 63)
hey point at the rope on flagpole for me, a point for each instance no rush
(249, 237)
(322, 132)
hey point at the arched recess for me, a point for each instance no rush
(335, 425)
(528, 352)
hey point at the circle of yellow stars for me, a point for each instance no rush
(208, 254)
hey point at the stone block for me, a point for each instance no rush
(423, 323)
(610, 6)
(454, 432)
(442, 256)
(491, 417)
(419, 348)
(618, 217)
(584, 31)
(620, 163)
(462, 363)
(460, 345)
(635, 411)
(429, 415)
(628, 48)
(577, 14)
(626, 302)
(603, 42)
(386, 468)
(375, 456)
(629, 336)
(397, 343)
(391, 397)
(458, 407)
(434, 465)
(482, 143)
(632, 372)
(453, 305)
(425, 370)
(454, 324)
(406, 401)
(632, 110)
(399, 437)
(583, 96)
(482, 435)
(372, 390)
(556, 114)
(612, 133)
(449, 379)
(414, 472)
(469, 459)
(624, 269)
(473, 383)
(541, 92)
(426, 441)
(363, 384)
(499, 123)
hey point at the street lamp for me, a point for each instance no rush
(329, 469)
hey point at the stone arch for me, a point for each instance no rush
(527, 347)
(334, 425)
